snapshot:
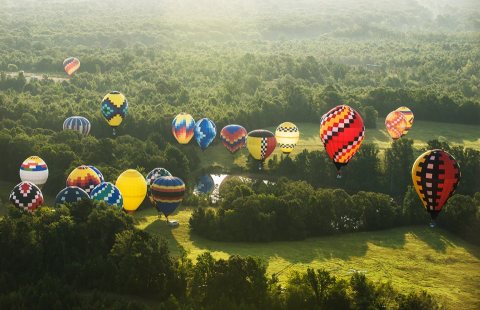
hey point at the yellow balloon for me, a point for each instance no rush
(287, 135)
(133, 187)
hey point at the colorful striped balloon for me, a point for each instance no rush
(77, 123)
(26, 196)
(167, 194)
(70, 194)
(435, 176)
(35, 170)
(108, 193)
(396, 124)
(84, 177)
(152, 176)
(287, 135)
(205, 132)
(233, 137)
(183, 128)
(71, 65)
(408, 114)
(342, 132)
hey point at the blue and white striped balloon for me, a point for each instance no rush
(77, 123)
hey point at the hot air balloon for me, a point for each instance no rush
(133, 187)
(261, 143)
(408, 114)
(167, 194)
(287, 135)
(84, 177)
(114, 108)
(35, 170)
(100, 175)
(109, 193)
(77, 123)
(342, 132)
(26, 196)
(233, 137)
(205, 132)
(396, 124)
(152, 176)
(71, 65)
(205, 184)
(435, 175)
(183, 128)
(70, 194)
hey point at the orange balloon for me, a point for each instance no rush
(396, 124)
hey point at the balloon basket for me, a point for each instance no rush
(432, 224)
(339, 176)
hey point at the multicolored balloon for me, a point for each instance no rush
(435, 175)
(26, 196)
(71, 65)
(77, 123)
(342, 132)
(205, 132)
(100, 175)
(152, 176)
(233, 137)
(408, 114)
(114, 108)
(84, 177)
(133, 187)
(167, 194)
(70, 194)
(205, 184)
(260, 144)
(183, 128)
(396, 124)
(109, 193)
(35, 170)
(287, 135)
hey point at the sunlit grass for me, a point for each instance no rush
(412, 258)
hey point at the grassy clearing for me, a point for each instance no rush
(410, 257)
(421, 132)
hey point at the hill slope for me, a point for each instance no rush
(410, 257)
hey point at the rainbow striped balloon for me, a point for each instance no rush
(183, 127)
(71, 65)
(167, 193)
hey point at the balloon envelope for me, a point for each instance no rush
(70, 194)
(71, 65)
(287, 135)
(100, 175)
(205, 184)
(395, 123)
(84, 177)
(183, 128)
(342, 132)
(261, 143)
(435, 175)
(167, 194)
(26, 196)
(205, 132)
(152, 176)
(35, 170)
(133, 187)
(108, 193)
(233, 137)
(77, 123)
(114, 108)
(408, 114)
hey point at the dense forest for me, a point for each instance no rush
(254, 63)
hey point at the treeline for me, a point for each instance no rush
(87, 255)
(369, 170)
(294, 210)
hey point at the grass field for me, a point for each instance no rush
(421, 132)
(410, 257)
